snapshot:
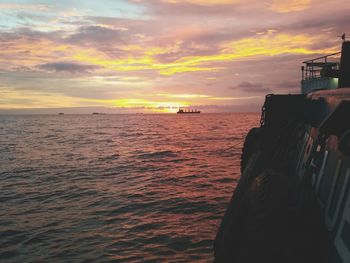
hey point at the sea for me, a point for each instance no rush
(116, 188)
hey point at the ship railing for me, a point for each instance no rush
(313, 68)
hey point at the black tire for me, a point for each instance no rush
(269, 225)
(267, 232)
(250, 146)
(257, 223)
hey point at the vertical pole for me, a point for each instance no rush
(302, 73)
(344, 80)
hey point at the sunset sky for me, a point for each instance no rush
(158, 55)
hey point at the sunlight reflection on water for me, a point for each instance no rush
(116, 187)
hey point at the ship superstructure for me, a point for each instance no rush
(327, 72)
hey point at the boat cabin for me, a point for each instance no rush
(327, 72)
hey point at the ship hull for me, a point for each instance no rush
(292, 202)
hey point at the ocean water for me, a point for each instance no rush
(116, 188)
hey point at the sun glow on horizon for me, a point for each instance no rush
(156, 106)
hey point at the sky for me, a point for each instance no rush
(159, 55)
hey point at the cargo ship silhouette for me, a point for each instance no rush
(292, 201)
(189, 111)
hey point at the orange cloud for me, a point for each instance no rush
(183, 96)
(12, 99)
(27, 53)
(24, 52)
(202, 96)
(270, 44)
(283, 6)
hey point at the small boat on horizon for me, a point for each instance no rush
(189, 111)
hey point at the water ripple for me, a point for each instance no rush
(116, 188)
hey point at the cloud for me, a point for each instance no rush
(251, 47)
(170, 51)
(288, 85)
(26, 7)
(67, 67)
(202, 2)
(99, 34)
(286, 6)
(250, 87)
(183, 96)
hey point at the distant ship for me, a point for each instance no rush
(181, 111)
(61, 113)
(98, 113)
